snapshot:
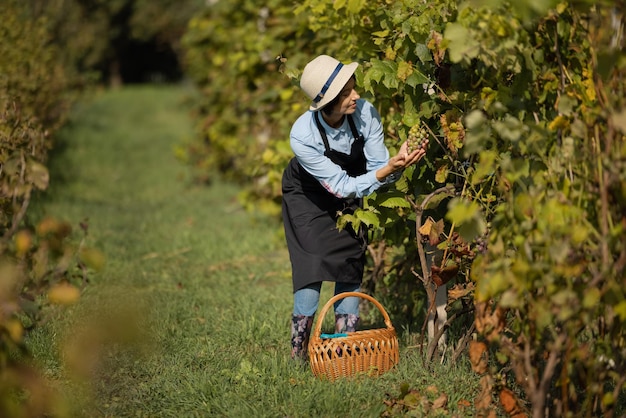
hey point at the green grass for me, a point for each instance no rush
(203, 286)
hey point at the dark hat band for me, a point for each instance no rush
(328, 83)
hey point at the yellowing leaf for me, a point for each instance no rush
(458, 291)
(442, 174)
(560, 122)
(63, 294)
(286, 94)
(15, 329)
(441, 402)
(426, 227)
(390, 53)
(23, 242)
(267, 156)
(432, 230)
(381, 33)
(405, 69)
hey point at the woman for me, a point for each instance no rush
(340, 157)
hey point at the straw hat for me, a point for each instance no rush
(323, 78)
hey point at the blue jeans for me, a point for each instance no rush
(306, 300)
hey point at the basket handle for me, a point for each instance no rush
(317, 330)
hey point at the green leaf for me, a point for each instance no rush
(378, 70)
(423, 53)
(591, 298)
(485, 166)
(477, 132)
(510, 128)
(355, 6)
(338, 4)
(461, 211)
(369, 218)
(543, 316)
(567, 104)
(461, 44)
(410, 117)
(620, 310)
(416, 79)
(467, 218)
(344, 220)
(402, 184)
(395, 202)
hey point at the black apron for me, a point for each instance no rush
(317, 249)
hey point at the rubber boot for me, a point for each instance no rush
(300, 331)
(346, 322)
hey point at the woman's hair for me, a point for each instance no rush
(328, 109)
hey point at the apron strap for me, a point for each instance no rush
(322, 131)
(357, 136)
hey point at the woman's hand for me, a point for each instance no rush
(402, 160)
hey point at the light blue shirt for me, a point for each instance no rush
(308, 146)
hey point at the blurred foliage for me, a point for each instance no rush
(33, 104)
(101, 37)
(521, 198)
(52, 50)
(234, 54)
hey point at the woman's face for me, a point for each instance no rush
(346, 105)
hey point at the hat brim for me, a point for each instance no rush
(337, 85)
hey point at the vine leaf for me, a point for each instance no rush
(468, 218)
(441, 276)
(461, 43)
(432, 230)
(395, 202)
(367, 217)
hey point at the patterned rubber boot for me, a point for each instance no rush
(300, 331)
(346, 322)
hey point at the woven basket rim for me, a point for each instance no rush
(317, 329)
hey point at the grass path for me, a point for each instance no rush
(211, 282)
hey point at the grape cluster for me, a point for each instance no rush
(481, 243)
(417, 138)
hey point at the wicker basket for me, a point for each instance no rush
(370, 352)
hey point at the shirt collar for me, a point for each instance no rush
(334, 132)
